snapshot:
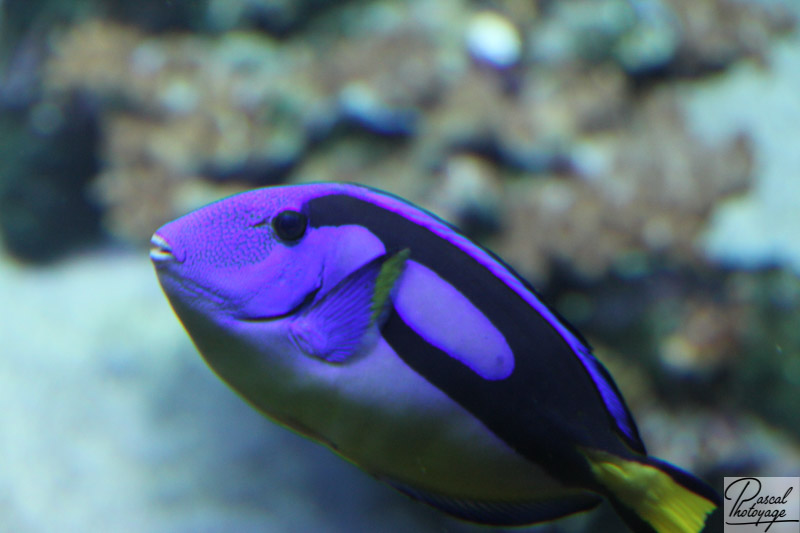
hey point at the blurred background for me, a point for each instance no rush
(637, 160)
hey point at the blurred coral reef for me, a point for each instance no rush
(585, 121)
(633, 158)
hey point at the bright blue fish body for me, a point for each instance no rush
(376, 328)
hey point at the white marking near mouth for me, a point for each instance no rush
(160, 250)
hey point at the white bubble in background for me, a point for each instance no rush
(492, 38)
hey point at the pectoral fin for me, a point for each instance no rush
(336, 326)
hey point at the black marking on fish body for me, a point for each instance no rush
(521, 422)
(549, 403)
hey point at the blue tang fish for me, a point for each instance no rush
(374, 327)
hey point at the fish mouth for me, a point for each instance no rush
(160, 249)
(304, 303)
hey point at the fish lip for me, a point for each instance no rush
(161, 250)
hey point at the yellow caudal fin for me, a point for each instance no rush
(658, 494)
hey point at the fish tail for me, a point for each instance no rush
(652, 495)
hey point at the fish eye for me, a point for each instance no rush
(290, 225)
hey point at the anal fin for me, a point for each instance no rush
(504, 513)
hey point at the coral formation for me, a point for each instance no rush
(626, 195)
(245, 107)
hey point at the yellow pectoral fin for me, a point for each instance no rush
(651, 493)
(390, 271)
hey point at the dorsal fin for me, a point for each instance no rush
(613, 400)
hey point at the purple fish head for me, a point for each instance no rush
(225, 261)
(236, 282)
